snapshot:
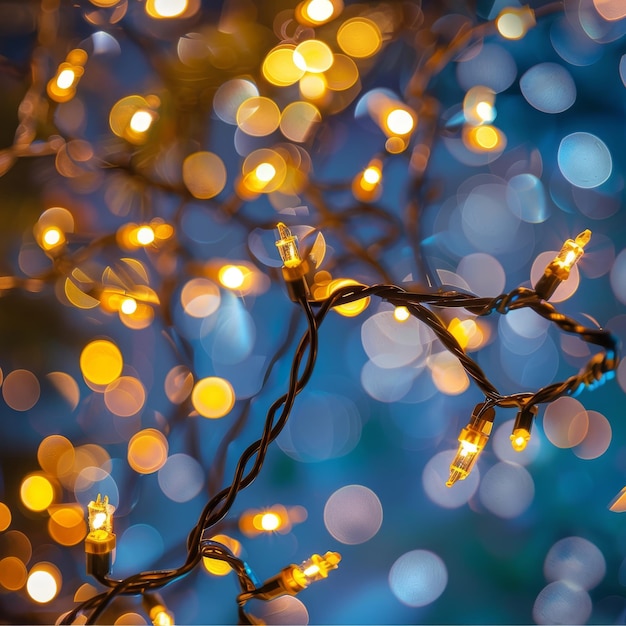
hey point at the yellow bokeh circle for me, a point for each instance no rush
(213, 397)
(101, 362)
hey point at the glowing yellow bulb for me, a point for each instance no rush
(145, 235)
(66, 78)
(270, 521)
(350, 309)
(400, 122)
(372, 175)
(472, 440)
(128, 306)
(513, 22)
(52, 237)
(401, 314)
(485, 111)
(319, 10)
(231, 276)
(42, 586)
(486, 137)
(265, 172)
(141, 121)
(166, 8)
(37, 492)
(519, 440)
(98, 520)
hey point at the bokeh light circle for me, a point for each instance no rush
(565, 422)
(21, 390)
(418, 578)
(101, 362)
(575, 560)
(561, 602)
(618, 277)
(213, 397)
(548, 87)
(507, 490)
(181, 478)
(584, 160)
(147, 451)
(353, 514)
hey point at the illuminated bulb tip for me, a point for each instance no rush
(128, 306)
(141, 121)
(52, 237)
(65, 79)
(270, 521)
(583, 239)
(485, 111)
(231, 277)
(400, 122)
(287, 245)
(145, 235)
(319, 10)
(519, 440)
(372, 175)
(265, 172)
(401, 314)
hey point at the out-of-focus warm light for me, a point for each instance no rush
(351, 309)
(101, 362)
(217, 567)
(478, 105)
(166, 8)
(145, 235)
(265, 172)
(275, 519)
(313, 55)
(37, 492)
(62, 86)
(514, 22)
(141, 121)
(366, 185)
(313, 86)
(231, 276)
(401, 314)
(52, 237)
(484, 138)
(400, 122)
(66, 78)
(44, 582)
(359, 37)
(5, 516)
(319, 10)
(213, 397)
(372, 175)
(147, 451)
(270, 521)
(132, 117)
(485, 111)
(128, 306)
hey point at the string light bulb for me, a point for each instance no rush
(294, 267)
(560, 267)
(100, 542)
(62, 86)
(473, 439)
(522, 427)
(294, 578)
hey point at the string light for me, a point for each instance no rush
(100, 542)
(166, 202)
(559, 269)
